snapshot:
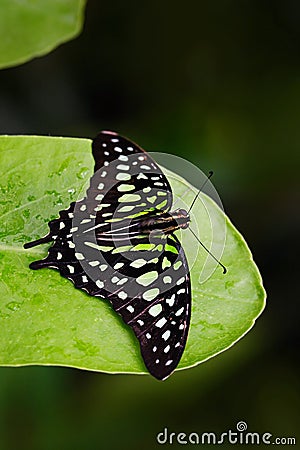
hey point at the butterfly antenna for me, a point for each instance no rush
(201, 243)
(210, 174)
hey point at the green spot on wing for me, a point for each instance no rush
(166, 263)
(171, 248)
(151, 294)
(162, 204)
(101, 248)
(145, 247)
(126, 187)
(147, 278)
(129, 198)
(123, 248)
(177, 265)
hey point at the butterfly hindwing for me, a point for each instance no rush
(159, 313)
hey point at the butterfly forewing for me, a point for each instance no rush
(99, 246)
(128, 179)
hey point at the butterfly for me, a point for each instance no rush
(119, 243)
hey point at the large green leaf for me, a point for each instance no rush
(33, 28)
(45, 320)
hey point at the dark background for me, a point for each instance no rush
(219, 84)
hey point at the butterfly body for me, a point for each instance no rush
(167, 223)
(155, 221)
(119, 243)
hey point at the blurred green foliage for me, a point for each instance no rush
(219, 84)
(33, 28)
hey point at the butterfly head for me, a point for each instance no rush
(182, 217)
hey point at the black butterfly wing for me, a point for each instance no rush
(95, 248)
(147, 283)
(123, 172)
(127, 179)
(159, 312)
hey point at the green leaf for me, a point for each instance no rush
(35, 27)
(45, 320)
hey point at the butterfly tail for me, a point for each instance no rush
(40, 241)
(37, 265)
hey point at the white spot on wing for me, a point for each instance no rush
(123, 167)
(123, 176)
(123, 158)
(181, 291)
(147, 278)
(150, 294)
(71, 268)
(161, 322)
(142, 175)
(166, 335)
(138, 263)
(171, 300)
(180, 311)
(94, 263)
(167, 279)
(155, 310)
